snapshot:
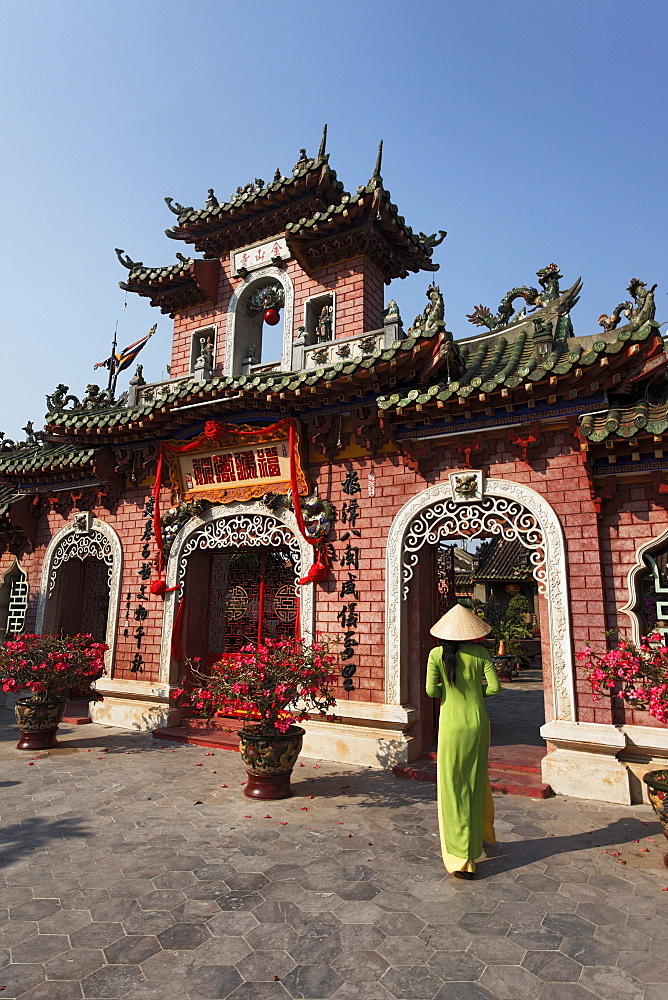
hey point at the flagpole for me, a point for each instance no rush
(111, 388)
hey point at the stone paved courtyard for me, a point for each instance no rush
(154, 877)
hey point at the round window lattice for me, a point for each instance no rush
(285, 603)
(235, 602)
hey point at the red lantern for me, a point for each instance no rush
(271, 317)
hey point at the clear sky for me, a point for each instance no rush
(531, 132)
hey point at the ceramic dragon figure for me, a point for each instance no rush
(59, 399)
(548, 278)
(637, 314)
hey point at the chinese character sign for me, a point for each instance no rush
(260, 255)
(244, 465)
(240, 467)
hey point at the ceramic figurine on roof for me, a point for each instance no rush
(642, 312)
(550, 299)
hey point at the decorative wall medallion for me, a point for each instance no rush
(466, 485)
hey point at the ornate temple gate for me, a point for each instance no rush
(237, 570)
(80, 586)
(438, 515)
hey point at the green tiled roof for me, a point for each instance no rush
(625, 422)
(370, 219)
(495, 363)
(269, 386)
(51, 458)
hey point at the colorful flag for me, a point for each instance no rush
(119, 362)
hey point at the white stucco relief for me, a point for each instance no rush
(233, 526)
(638, 569)
(506, 508)
(96, 540)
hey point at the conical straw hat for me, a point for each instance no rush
(460, 625)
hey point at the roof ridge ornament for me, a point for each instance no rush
(323, 144)
(548, 278)
(642, 312)
(379, 161)
(177, 209)
(127, 261)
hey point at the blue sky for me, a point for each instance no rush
(531, 132)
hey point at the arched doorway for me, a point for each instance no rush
(80, 586)
(492, 507)
(237, 568)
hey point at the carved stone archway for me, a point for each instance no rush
(84, 537)
(509, 509)
(233, 526)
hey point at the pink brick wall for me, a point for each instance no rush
(357, 284)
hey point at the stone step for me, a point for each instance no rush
(504, 782)
(511, 758)
(77, 713)
(221, 734)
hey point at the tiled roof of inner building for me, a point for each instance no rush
(508, 560)
(270, 384)
(625, 422)
(497, 363)
(47, 458)
(257, 199)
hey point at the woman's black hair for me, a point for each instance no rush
(450, 660)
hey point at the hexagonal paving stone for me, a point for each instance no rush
(240, 900)
(184, 863)
(232, 922)
(400, 923)
(276, 912)
(499, 951)
(18, 978)
(317, 950)
(511, 982)
(455, 966)
(260, 991)
(112, 982)
(34, 909)
(132, 950)
(358, 912)
(409, 982)
(149, 922)
(306, 981)
(552, 967)
(365, 937)
(215, 981)
(265, 966)
(246, 881)
(224, 950)
(355, 890)
(612, 983)
(569, 925)
(97, 935)
(64, 921)
(484, 923)
(184, 936)
(77, 963)
(40, 948)
(268, 936)
(53, 991)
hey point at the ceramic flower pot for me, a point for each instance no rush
(38, 720)
(657, 791)
(269, 761)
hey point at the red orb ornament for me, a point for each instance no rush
(271, 317)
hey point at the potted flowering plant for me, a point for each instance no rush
(47, 666)
(277, 682)
(638, 675)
